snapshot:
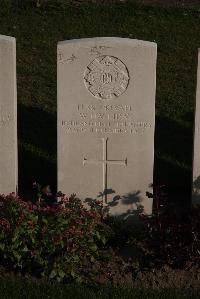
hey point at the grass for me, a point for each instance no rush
(176, 31)
(21, 288)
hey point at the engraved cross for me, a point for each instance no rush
(105, 162)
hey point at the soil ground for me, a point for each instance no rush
(159, 3)
(172, 3)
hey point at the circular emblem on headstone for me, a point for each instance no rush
(106, 77)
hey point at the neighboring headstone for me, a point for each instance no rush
(8, 115)
(106, 111)
(196, 153)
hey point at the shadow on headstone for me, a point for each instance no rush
(132, 199)
(106, 192)
(132, 215)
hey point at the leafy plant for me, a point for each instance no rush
(54, 241)
(171, 238)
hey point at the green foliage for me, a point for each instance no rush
(55, 241)
(173, 240)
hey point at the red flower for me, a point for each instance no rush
(99, 202)
(4, 223)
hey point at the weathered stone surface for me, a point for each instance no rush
(196, 153)
(8, 115)
(106, 111)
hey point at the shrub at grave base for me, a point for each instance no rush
(173, 241)
(53, 241)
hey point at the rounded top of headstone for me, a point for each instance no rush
(134, 42)
(7, 38)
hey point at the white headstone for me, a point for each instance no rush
(8, 115)
(196, 153)
(106, 111)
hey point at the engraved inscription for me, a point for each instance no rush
(97, 50)
(74, 126)
(110, 119)
(106, 77)
(70, 59)
(116, 108)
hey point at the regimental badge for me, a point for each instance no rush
(106, 77)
